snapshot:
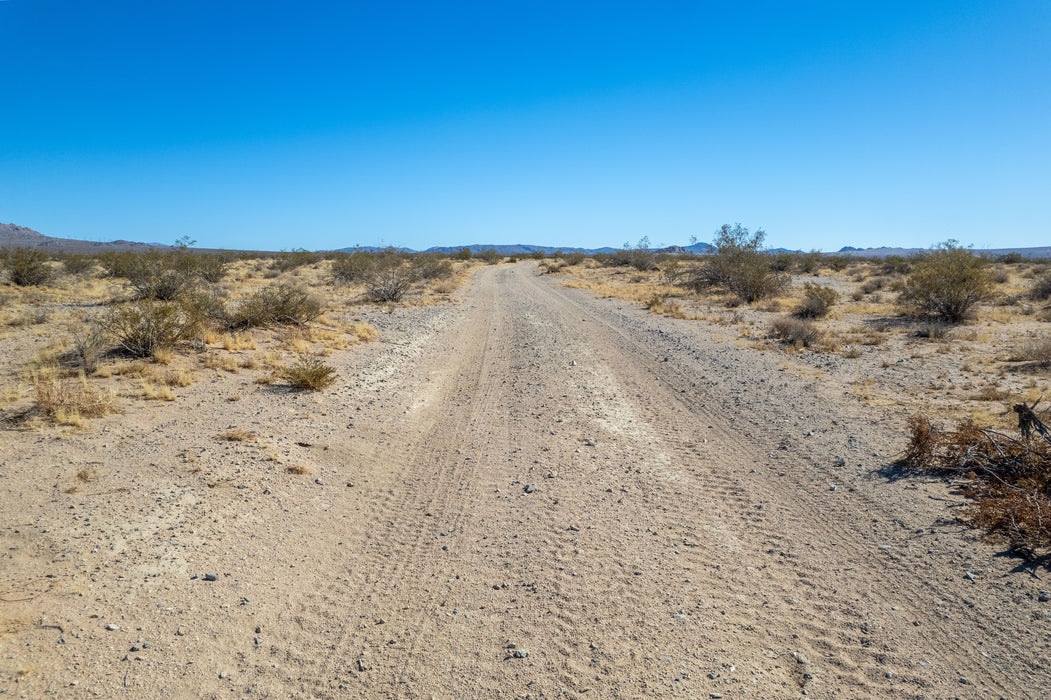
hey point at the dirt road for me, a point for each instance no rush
(532, 493)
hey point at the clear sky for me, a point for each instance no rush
(328, 124)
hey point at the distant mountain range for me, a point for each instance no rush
(1036, 252)
(13, 236)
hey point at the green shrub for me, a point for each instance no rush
(817, 301)
(945, 284)
(490, 256)
(740, 266)
(276, 304)
(1041, 289)
(810, 263)
(144, 327)
(574, 258)
(353, 267)
(432, 267)
(156, 274)
(463, 254)
(26, 267)
(76, 263)
(310, 373)
(288, 260)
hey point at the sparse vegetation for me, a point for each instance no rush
(817, 301)
(311, 373)
(794, 331)
(276, 304)
(141, 328)
(740, 266)
(1009, 476)
(26, 267)
(945, 284)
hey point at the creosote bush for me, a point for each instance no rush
(817, 301)
(1041, 289)
(145, 327)
(390, 282)
(26, 267)
(740, 266)
(945, 284)
(310, 373)
(276, 304)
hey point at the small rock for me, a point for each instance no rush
(530, 488)
(258, 641)
(112, 627)
(590, 442)
(573, 528)
(224, 674)
(135, 648)
(552, 474)
(181, 631)
(832, 487)
(62, 640)
(319, 482)
(840, 462)
(362, 666)
(211, 577)
(969, 576)
(520, 653)
(1045, 596)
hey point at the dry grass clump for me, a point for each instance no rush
(236, 435)
(299, 470)
(1037, 351)
(67, 401)
(310, 373)
(794, 331)
(1010, 476)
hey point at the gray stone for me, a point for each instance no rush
(520, 653)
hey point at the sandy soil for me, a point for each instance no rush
(532, 493)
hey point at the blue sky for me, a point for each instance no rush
(327, 124)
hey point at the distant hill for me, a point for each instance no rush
(13, 236)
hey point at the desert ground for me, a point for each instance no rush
(529, 487)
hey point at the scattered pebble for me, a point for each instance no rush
(530, 488)
(211, 577)
(520, 653)
(112, 627)
(1045, 596)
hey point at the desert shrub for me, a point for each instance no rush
(574, 258)
(817, 301)
(740, 266)
(76, 263)
(1009, 476)
(432, 267)
(838, 263)
(210, 268)
(538, 255)
(26, 267)
(783, 261)
(90, 342)
(810, 263)
(490, 256)
(310, 373)
(794, 331)
(1010, 258)
(463, 254)
(156, 274)
(1041, 289)
(288, 260)
(390, 283)
(144, 327)
(353, 267)
(276, 304)
(945, 284)
(895, 265)
(1000, 276)
(874, 285)
(30, 315)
